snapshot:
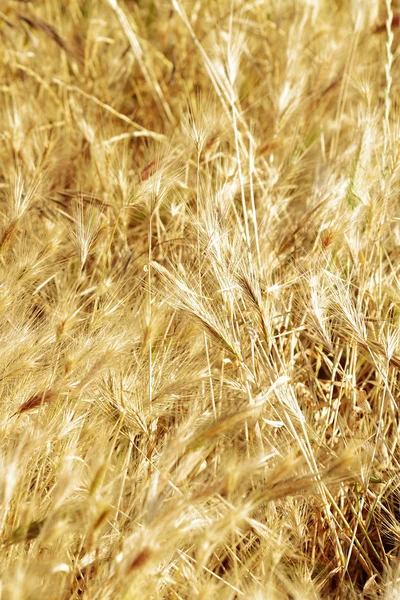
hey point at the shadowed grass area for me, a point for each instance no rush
(199, 299)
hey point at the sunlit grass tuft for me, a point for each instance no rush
(199, 300)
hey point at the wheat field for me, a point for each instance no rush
(199, 299)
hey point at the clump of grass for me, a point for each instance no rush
(199, 300)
